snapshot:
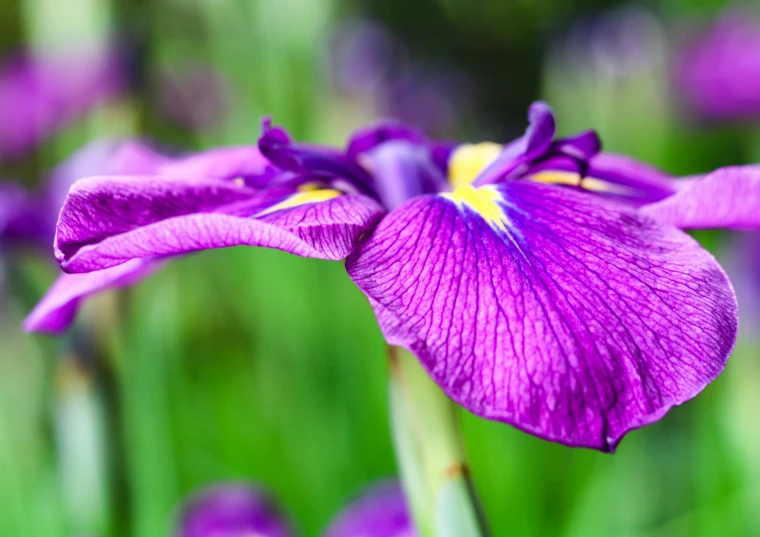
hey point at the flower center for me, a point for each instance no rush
(469, 160)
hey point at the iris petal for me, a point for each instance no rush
(56, 310)
(577, 322)
(107, 221)
(726, 198)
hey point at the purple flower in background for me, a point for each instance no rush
(540, 283)
(231, 510)
(193, 96)
(39, 95)
(240, 510)
(380, 512)
(719, 72)
(366, 59)
(57, 309)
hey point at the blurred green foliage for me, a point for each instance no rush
(253, 364)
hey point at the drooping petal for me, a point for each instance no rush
(56, 310)
(231, 510)
(571, 319)
(107, 221)
(379, 512)
(726, 198)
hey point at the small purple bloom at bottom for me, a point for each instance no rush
(231, 510)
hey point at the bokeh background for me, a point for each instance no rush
(253, 364)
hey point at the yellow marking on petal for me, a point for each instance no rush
(469, 160)
(484, 201)
(309, 187)
(561, 177)
(239, 181)
(303, 198)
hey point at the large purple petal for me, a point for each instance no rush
(726, 198)
(379, 512)
(231, 510)
(571, 319)
(107, 221)
(56, 310)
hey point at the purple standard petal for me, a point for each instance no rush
(574, 320)
(56, 310)
(379, 512)
(321, 163)
(107, 221)
(231, 510)
(726, 198)
(534, 144)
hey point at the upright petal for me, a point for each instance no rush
(56, 310)
(107, 221)
(323, 163)
(571, 319)
(532, 145)
(379, 512)
(231, 510)
(726, 198)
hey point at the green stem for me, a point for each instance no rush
(430, 452)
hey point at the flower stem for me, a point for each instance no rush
(430, 452)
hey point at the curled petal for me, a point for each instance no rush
(56, 310)
(726, 198)
(571, 319)
(379, 512)
(110, 220)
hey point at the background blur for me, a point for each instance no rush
(253, 364)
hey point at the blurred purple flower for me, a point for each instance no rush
(380, 512)
(742, 262)
(541, 283)
(231, 510)
(193, 96)
(40, 95)
(241, 510)
(718, 73)
(368, 60)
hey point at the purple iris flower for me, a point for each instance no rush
(239, 510)
(39, 95)
(231, 510)
(718, 73)
(540, 283)
(57, 309)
